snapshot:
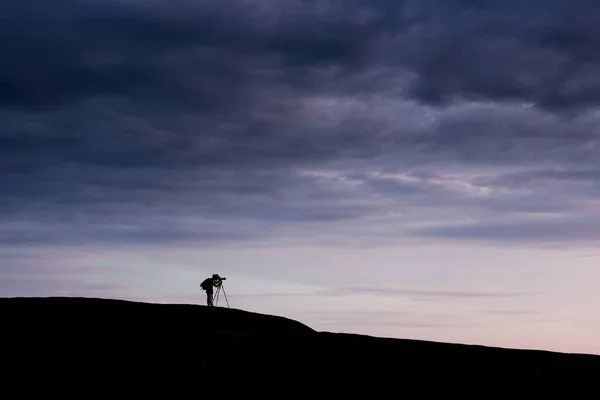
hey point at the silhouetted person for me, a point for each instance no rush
(208, 284)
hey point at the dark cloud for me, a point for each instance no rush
(204, 121)
(539, 52)
(207, 54)
(214, 54)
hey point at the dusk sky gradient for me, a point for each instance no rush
(424, 169)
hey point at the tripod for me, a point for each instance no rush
(216, 296)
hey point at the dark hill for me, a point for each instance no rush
(105, 340)
(93, 316)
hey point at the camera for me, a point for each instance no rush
(217, 282)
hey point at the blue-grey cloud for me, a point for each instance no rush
(199, 121)
(557, 230)
(418, 294)
(539, 52)
(215, 53)
(189, 53)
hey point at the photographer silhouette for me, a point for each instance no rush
(208, 284)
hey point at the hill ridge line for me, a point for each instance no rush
(228, 321)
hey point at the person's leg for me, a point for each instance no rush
(209, 299)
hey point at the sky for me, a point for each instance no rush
(422, 169)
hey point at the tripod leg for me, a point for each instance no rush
(225, 294)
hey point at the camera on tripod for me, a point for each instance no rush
(218, 280)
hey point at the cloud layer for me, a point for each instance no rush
(202, 122)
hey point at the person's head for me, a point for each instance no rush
(216, 276)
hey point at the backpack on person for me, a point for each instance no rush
(206, 284)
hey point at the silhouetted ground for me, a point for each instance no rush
(122, 345)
